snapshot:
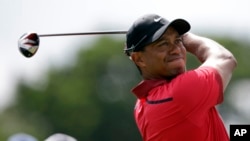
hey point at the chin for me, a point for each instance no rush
(180, 70)
(174, 73)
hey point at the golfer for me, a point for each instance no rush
(175, 104)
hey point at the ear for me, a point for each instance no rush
(137, 58)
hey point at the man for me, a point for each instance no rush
(175, 104)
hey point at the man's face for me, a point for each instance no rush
(165, 58)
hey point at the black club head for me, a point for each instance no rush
(28, 44)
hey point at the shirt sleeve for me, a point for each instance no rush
(200, 88)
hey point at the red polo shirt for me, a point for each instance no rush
(182, 109)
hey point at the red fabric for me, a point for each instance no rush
(189, 116)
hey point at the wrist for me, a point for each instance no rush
(190, 42)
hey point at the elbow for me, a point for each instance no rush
(233, 61)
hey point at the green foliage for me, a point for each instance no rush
(91, 100)
(241, 52)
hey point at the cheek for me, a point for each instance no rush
(184, 53)
(153, 61)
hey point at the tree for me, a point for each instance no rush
(90, 101)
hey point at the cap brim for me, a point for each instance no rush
(180, 25)
(159, 32)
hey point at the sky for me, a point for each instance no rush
(219, 17)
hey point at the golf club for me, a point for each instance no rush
(28, 43)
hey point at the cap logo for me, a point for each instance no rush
(157, 19)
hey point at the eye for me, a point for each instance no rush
(163, 43)
(178, 40)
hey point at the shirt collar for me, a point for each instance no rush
(142, 89)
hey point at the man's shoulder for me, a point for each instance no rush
(199, 72)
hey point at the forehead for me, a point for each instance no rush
(170, 32)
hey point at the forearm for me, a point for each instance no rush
(212, 54)
(204, 48)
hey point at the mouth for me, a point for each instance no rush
(174, 58)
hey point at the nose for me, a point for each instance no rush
(174, 49)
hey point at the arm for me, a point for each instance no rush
(210, 53)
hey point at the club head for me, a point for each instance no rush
(28, 44)
(60, 137)
(22, 137)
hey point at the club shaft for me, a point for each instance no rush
(83, 33)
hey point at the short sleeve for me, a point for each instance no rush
(200, 88)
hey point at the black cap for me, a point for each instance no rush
(148, 29)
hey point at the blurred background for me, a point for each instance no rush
(80, 85)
